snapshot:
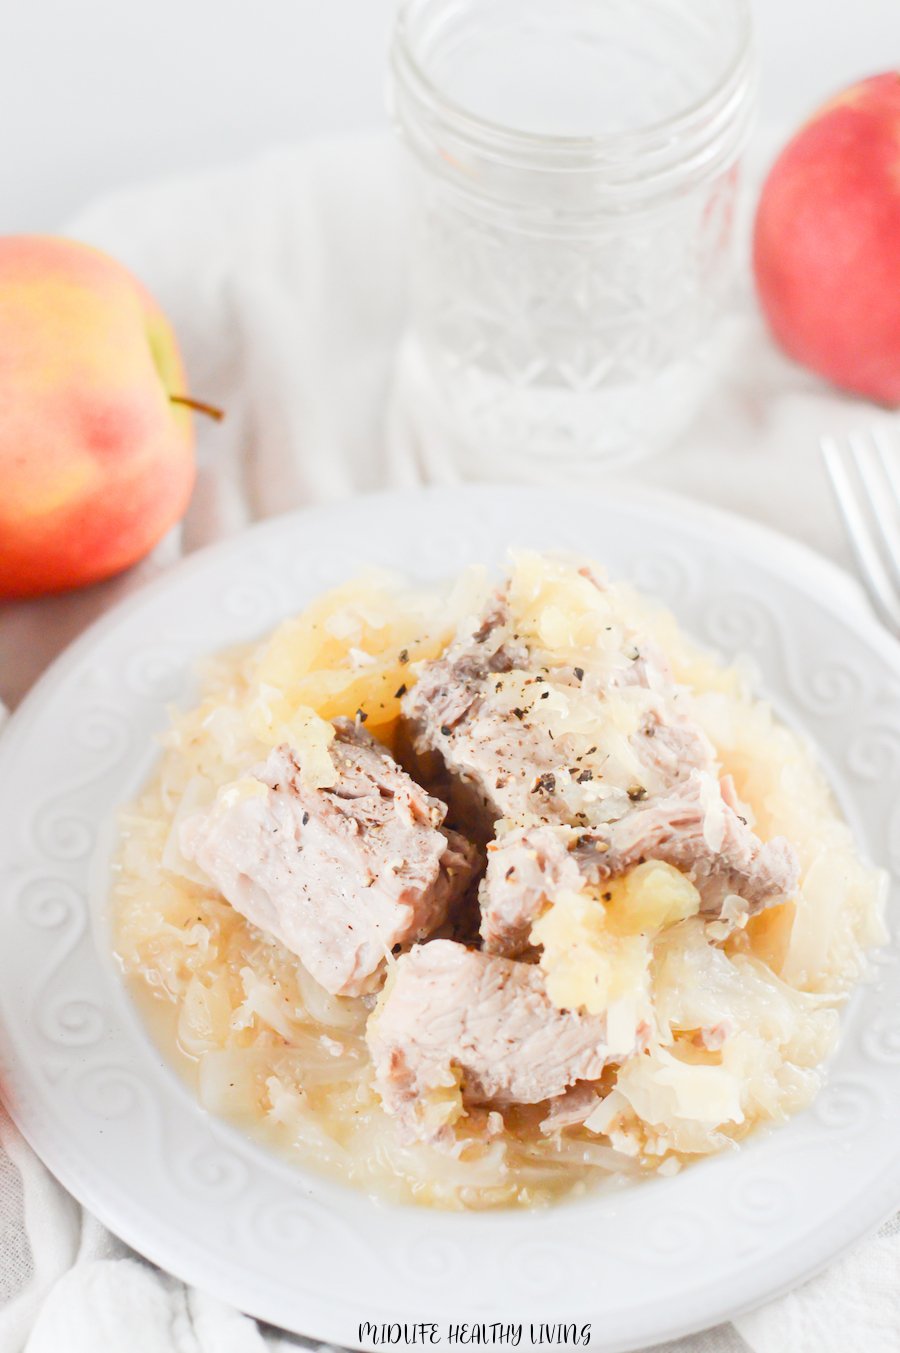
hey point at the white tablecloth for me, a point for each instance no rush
(285, 280)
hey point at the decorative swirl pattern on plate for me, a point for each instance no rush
(874, 754)
(738, 624)
(433, 1259)
(72, 1021)
(57, 827)
(671, 578)
(534, 1266)
(759, 1198)
(48, 902)
(743, 624)
(106, 735)
(52, 905)
(294, 1220)
(280, 1224)
(109, 1091)
(254, 598)
(846, 1106)
(61, 834)
(214, 1173)
(675, 1236)
(881, 1038)
(830, 687)
(332, 567)
(155, 673)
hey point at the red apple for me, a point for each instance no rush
(827, 241)
(96, 461)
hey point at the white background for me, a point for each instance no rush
(98, 93)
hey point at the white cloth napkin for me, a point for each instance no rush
(285, 280)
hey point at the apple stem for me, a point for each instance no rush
(211, 410)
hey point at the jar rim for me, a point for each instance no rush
(475, 127)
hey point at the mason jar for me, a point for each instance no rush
(576, 174)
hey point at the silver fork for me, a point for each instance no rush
(864, 470)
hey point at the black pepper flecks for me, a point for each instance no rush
(401, 690)
(545, 783)
(584, 776)
(403, 656)
(579, 673)
(446, 730)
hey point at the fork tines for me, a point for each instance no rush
(864, 470)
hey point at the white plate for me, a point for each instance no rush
(114, 1123)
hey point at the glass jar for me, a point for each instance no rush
(577, 173)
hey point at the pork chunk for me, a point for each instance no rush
(570, 1109)
(339, 875)
(527, 867)
(452, 1014)
(694, 827)
(482, 709)
(448, 712)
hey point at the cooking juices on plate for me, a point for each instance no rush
(479, 898)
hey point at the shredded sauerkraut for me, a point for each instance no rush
(739, 1020)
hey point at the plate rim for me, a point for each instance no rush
(794, 558)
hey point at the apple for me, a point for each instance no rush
(96, 441)
(827, 241)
